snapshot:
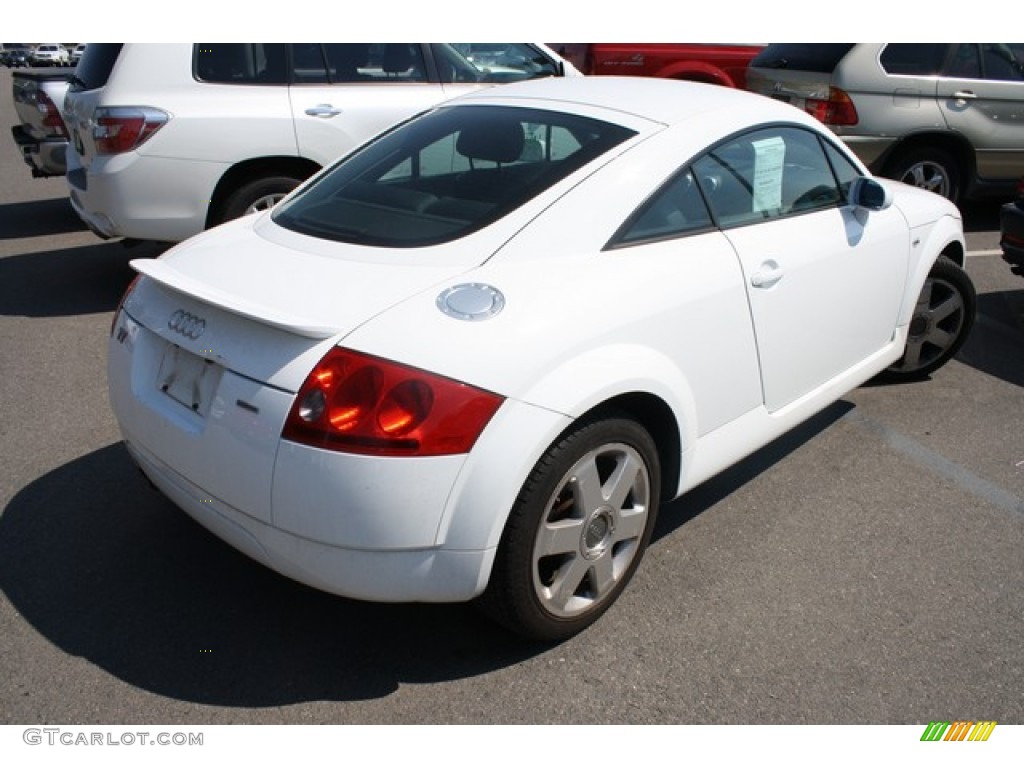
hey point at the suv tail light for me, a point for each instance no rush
(357, 403)
(837, 109)
(52, 120)
(122, 129)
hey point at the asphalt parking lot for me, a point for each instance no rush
(866, 568)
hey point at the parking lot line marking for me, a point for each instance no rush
(920, 454)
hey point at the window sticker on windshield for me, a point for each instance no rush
(768, 158)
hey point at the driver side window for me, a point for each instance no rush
(766, 174)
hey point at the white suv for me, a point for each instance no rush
(170, 139)
(50, 55)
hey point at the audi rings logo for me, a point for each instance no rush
(187, 325)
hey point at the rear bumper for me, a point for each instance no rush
(873, 151)
(416, 575)
(143, 197)
(358, 526)
(45, 158)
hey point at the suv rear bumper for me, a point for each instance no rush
(870, 150)
(45, 158)
(142, 197)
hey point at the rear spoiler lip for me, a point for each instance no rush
(168, 276)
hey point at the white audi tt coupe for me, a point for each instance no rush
(470, 359)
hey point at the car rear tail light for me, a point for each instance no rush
(52, 120)
(837, 109)
(358, 403)
(120, 304)
(122, 129)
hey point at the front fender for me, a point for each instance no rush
(928, 242)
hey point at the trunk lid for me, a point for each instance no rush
(267, 307)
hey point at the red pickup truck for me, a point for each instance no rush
(717, 63)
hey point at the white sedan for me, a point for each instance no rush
(471, 359)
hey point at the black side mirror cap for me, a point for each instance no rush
(870, 194)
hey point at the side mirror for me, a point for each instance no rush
(870, 194)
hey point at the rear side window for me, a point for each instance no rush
(358, 63)
(240, 63)
(675, 210)
(804, 57)
(922, 59)
(96, 65)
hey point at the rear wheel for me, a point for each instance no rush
(577, 532)
(933, 169)
(942, 319)
(257, 195)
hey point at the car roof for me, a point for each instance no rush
(659, 100)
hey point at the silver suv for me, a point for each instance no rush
(948, 117)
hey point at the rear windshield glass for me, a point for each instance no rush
(805, 57)
(95, 66)
(446, 174)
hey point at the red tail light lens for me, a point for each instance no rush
(124, 298)
(358, 403)
(837, 109)
(51, 115)
(122, 129)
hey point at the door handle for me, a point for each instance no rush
(768, 275)
(962, 97)
(323, 110)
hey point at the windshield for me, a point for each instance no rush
(446, 174)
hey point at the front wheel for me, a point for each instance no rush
(942, 319)
(577, 531)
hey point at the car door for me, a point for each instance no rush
(824, 281)
(345, 93)
(982, 98)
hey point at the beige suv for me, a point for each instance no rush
(948, 117)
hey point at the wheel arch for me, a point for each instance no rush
(655, 394)
(697, 72)
(952, 143)
(944, 238)
(250, 170)
(659, 420)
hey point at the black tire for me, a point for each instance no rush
(942, 320)
(933, 169)
(256, 195)
(582, 522)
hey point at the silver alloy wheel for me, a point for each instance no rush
(591, 530)
(265, 202)
(936, 324)
(930, 175)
